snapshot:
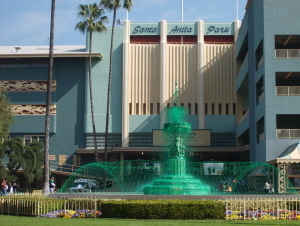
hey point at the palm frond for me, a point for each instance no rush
(90, 15)
(127, 4)
(110, 4)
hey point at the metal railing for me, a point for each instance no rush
(287, 90)
(288, 133)
(287, 53)
(64, 168)
(23, 205)
(263, 208)
(236, 208)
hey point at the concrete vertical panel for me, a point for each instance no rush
(163, 66)
(237, 26)
(125, 91)
(200, 99)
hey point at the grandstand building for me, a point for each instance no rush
(238, 80)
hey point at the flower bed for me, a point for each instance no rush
(73, 214)
(263, 215)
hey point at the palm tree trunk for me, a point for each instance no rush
(91, 96)
(48, 103)
(109, 83)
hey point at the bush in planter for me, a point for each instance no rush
(163, 209)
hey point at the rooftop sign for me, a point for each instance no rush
(218, 29)
(181, 29)
(145, 29)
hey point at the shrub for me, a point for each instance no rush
(163, 209)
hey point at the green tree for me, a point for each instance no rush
(112, 5)
(48, 102)
(6, 115)
(92, 21)
(30, 158)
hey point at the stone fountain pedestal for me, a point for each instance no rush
(177, 183)
(175, 180)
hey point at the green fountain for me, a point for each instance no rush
(176, 180)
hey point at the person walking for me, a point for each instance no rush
(4, 187)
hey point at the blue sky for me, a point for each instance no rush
(27, 22)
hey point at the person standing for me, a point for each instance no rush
(4, 187)
(228, 188)
(271, 187)
(267, 187)
(52, 184)
(14, 185)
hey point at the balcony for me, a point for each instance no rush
(243, 117)
(288, 133)
(287, 90)
(287, 53)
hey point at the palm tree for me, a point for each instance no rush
(112, 5)
(92, 20)
(48, 103)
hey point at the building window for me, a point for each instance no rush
(62, 159)
(180, 39)
(189, 108)
(24, 62)
(76, 160)
(32, 138)
(287, 46)
(288, 83)
(227, 109)
(259, 54)
(22, 180)
(145, 39)
(260, 130)
(113, 158)
(100, 158)
(260, 90)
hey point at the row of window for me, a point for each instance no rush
(192, 109)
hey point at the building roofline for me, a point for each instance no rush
(41, 55)
(43, 51)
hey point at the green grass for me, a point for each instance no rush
(10, 220)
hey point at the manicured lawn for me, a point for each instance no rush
(9, 220)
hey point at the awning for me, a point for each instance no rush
(290, 155)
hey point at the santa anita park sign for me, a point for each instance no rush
(182, 29)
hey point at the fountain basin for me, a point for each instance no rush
(177, 185)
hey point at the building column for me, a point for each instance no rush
(125, 110)
(200, 99)
(163, 67)
(282, 183)
(237, 25)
